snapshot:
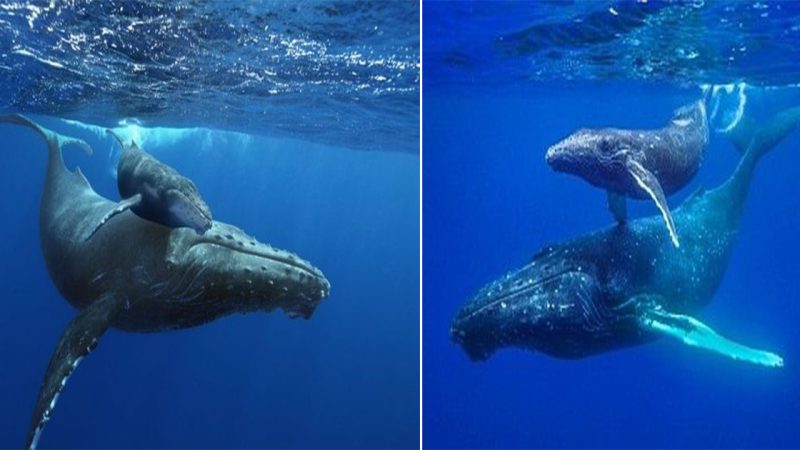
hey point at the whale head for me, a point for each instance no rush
(187, 208)
(554, 305)
(598, 156)
(225, 270)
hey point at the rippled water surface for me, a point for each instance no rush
(486, 43)
(342, 73)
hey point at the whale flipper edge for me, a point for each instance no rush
(692, 332)
(79, 338)
(649, 183)
(120, 207)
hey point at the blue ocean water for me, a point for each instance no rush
(490, 202)
(345, 197)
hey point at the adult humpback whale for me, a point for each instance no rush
(155, 191)
(625, 285)
(136, 275)
(638, 163)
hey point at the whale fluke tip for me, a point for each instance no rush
(78, 143)
(115, 136)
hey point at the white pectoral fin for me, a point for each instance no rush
(120, 207)
(648, 182)
(692, 332)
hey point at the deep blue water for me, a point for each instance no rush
(348, 377)
(490, 202)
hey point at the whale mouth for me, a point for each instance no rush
(520, 289)
(241, 260)
(553, 155)
(562, 157)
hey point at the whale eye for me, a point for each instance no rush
(602, 145)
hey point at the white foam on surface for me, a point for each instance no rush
(150, 138)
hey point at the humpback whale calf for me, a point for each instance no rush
(140, 276)
(637, 163)
(156, 191)
(625, 285)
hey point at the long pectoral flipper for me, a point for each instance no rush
(120, 207)
(618, 206)
(695, 333)
(78, 340)
(649, 183)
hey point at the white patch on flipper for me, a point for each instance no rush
(657, 195)
(49, 410)
(37, 434)
(54, 400)
(697, 334)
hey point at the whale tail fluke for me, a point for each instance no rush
(754, 138)
(54, 140)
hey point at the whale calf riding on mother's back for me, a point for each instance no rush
(137, 275)
(156, 191)
(624, 286)
(638, 163)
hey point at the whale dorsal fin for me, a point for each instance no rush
(77, 341)
(686, 115)
(649, 183)
(118, 208)
(692, 332)
(682, 122)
